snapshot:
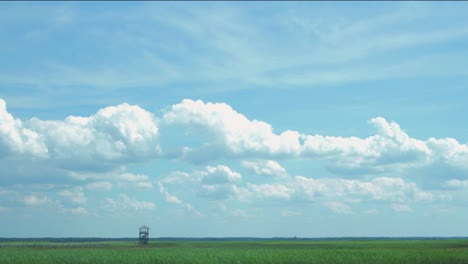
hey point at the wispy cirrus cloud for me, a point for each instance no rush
(230, 48)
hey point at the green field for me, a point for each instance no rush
(268, 251)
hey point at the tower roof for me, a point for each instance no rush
(144, 227)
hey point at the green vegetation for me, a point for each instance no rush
(299, 251)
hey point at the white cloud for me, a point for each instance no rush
(330, 191)
(75, 196)
(92, 174)
(189, 208)
(78, 210)
(167, 196)
(327, 191)
(133, 177)
(113, 134)
(239, 213)
(100, 186)
(94, 151)
(86, 147)
(390, 146)
(218, 182)
(265, 167)
(135, 180)
(401, 208)
(170, 198)
(35, 200)
(371, 211)
(179, 177)
(78, 147)
(338, 207)
(337, 194)
(16, 139)
(232, 132)
(449, 151)
(219, 191)
(72, 200)
(270, 191)
(380, 189)
(214, 182)
(457, 184)
(219, 175)
(12, 197)
(242, 53)
(125, 203)
(290, 213)
(75, 210)
(144, 185)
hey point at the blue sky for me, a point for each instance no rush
(308, 119)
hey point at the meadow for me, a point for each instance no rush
(268, 251)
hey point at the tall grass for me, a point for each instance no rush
(434, 251)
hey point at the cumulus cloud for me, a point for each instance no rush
(335, 194)
(93, 152)
(219, 175)
(390, 146)
(118, 135)
(70, 201)
(339, 194)
(114, 134)
(265, 167)
(380, 189)
(268, 191)
(75, 196)
(214, 182)
(233, 133)
(449, 151)
(16, 139)
(180, 177)
(219, 191)
(218, 182)
(79, 148)
(135, 180)
(15, 198)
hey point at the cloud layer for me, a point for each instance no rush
(95, 151)
(127, 133)
(232, 135)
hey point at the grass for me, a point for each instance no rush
(348, 251)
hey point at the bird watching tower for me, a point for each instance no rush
(144, 235)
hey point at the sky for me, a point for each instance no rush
(233, 119)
